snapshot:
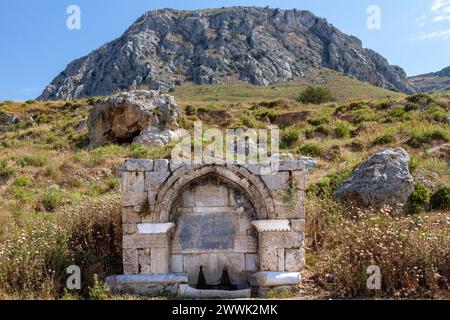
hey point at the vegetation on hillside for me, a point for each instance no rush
(59, 200)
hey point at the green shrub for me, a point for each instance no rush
(6, 171)
(363, 115)
(138, 151)
(440, 200)
(413, 261)
(420, 137)
(33, 160)
(398, 112)
(289, 138)
(418, 199)
(22, 182)
(266, 113)
(326, 186)
(321, 119)
(250, 121)
(53, 197)
(385, 139)
(315, 95)
(413, 163)
(422, 99)
(99, 290)
(311, 149)
(437, 114)
(342, 130)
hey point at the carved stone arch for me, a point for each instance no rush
(253, 187)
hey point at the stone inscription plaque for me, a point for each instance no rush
(209, 231)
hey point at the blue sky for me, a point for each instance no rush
(36, 44)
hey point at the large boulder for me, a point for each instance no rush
(145, 117)
(382, 180)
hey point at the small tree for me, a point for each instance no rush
(315, 95)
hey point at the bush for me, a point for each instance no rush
(341, 130)
(363, 115)
(99, 290)
(22, 182)
(418, 199)
(422, 99)
(310, 149)
(420, 137)
(138, 151)
(33, 160)
(315, 95)
(39, 248)
(317, 121)
(398, 112)
(52, 198)
(289, 138)
(385, 139)
(413, 260)
(5, 171)
(190, 110)
(440, 200)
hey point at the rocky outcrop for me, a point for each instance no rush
(382, 180)
(262, 46)
(8, 119)
(433, 82)
(139, 116)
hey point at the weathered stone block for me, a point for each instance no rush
(151, 197)
(287, 239)
(155, 228)
(138, 165)
(295, 259)
(298, 225)
(141, 241)
(211, 196)
(281, 266)
(159, 260)
(286, 208)
(144, 261)
(187, 198)
(130, 216)
(187, 292)
(129, 228)
(176, 263)
(133, 189)
(272, 225)
(271, 279)
(277, 181)
(130, 261)
(300, 179)
(161, 165)
(296, 165)
(146, 284)
(155, 179)
(251, 262)
(268, 259)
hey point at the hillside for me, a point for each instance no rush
(433, 82)
(167, 48)
(60, 200)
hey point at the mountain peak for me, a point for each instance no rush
(261, 46)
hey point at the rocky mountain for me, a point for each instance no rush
(262, 46)
(434, 81)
